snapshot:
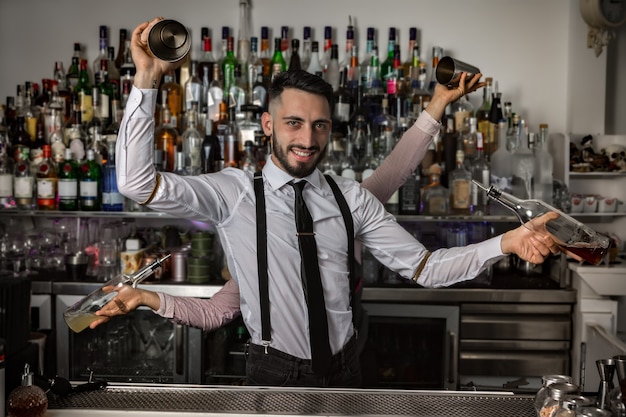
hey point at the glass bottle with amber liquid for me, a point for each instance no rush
(166, 136)
(435, 196)
(460, 180)
(47, 181)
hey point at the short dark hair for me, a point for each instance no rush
(301, 80)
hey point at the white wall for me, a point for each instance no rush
(535, 49)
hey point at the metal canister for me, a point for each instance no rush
(178, 270)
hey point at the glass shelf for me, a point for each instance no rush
(596, 175)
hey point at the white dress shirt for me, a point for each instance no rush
(226, 199)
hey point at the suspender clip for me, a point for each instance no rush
(266, 345)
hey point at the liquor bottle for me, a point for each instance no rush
(128, 68)
(462, 109)
(75, 136)
(360, 128)
(410, 58)
(373, 85)
(121, 49)
(232, 147)
(84, 91)
(23, 181)
(74, 68)
(63, 90)
(112, 199)
(103, 52)
(112, 71)
(327, 46)
(544, 165)
(210, 149)
(523, 163)
(330, 164)
(174, 97)
(248, 159)
(410, 195)
(166, 136)
(315, 66)
(205, 66)
(331, 75)
(294, 60)
(343, 100)
(353, 78)
(435, 196)
(285, 48)
(495, 116)
(386, 68)
(90, 183)
(460, 180)
(394, 77)
(469, 140)
(384, 128)
(253, 68)
(512, 133)
(420, 96)
(437, 54)
(20, 140)
(237, 94)
(277, 63)
(348, 164)
(345, 61)
(192, 142)
(6, 169)
(43, 100)
(369, 162)
(501, 167)
(179, 163)
(220, 128)
(193, 86)
(570, 234)
(265, 53)
(67, 183)
(482, 117)
(228, 65)
(106, 95)
(46, 181)
(305, 57)
(480, 172)
(244, 32)
(367, 58)
(28, 110)
(259, 97)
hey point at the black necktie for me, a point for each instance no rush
(314, 294)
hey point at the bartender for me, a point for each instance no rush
(304, 275)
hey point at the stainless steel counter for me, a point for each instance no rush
(292, 402)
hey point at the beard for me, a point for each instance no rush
(299, 169)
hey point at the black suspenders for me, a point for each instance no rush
(261, 242)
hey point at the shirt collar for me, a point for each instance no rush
(277, 178)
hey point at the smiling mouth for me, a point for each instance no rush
(303, 153)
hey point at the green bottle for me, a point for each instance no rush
(68, 183)
(228, 65)
(90, 183)
(277, 63)
(83, 90)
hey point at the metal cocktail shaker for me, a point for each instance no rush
(169, 40)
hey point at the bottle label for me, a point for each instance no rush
(461, 194)
(46, 188)
(342, 112)
(6, 185)
(112, 199)
(437, 205)
(23, 187)
(68, 189)
(89, 189)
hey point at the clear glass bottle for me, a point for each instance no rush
(193, 86)
(305, 58)
(556, 395)
(546, 381)
(244, 32)
(348, 164)
(369, 162)
(345, 60)
(315, 66)
(248, 160)
(216, 95)
(523, 165)
(80, 315)
(501, 168)
(192, 142)
(23, 182)
(481, 172)
(544, 165)
(437, 54)
(570, 234)
(331, 75)
(327, 46)
(435, 197)
(331, 164)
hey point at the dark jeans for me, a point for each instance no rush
(276, 368)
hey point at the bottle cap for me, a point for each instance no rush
(169, 40)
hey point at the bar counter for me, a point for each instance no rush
(175, 400)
